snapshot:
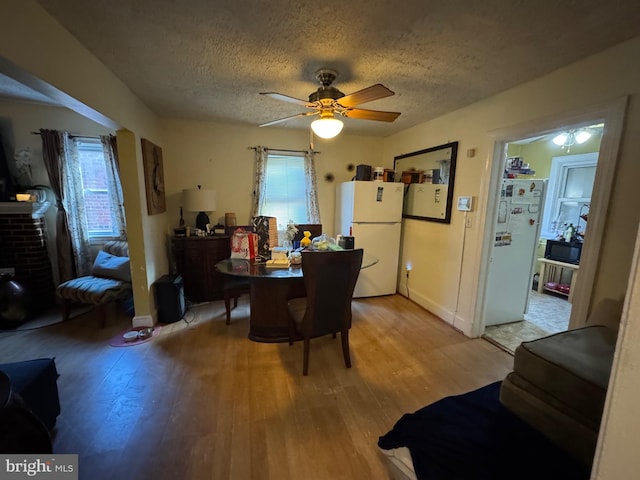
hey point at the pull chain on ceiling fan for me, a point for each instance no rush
(327, 101)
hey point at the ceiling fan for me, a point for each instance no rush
(328, 101)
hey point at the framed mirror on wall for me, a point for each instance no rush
(428, 176)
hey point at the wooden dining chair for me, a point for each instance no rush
(329, 279)
(232, 289)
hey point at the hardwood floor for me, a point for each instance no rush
(201, 401)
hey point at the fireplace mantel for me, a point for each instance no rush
(35, 209)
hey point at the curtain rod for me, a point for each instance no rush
(284, 150)
(73, 136)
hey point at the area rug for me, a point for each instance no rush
(472, 437)
(119, 340)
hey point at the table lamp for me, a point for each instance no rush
(199, 200)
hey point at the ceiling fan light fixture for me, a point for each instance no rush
(327, 127)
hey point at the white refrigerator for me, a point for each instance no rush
(372, 213)
(513, 254)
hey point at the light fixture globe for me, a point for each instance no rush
(582, 136)
(560, 139)
(327, 126)
(567, 139)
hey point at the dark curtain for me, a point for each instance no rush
(110, 150)
(52, 154)
(6, 182)
(113, 141)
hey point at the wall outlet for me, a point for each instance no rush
(10, 270)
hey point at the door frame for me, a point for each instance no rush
(612, 115)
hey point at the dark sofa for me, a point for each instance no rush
(559, 383)
(36, 384)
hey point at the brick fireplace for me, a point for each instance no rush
(23, 247)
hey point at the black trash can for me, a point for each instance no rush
(170, 301)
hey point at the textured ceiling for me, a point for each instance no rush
(208, 60)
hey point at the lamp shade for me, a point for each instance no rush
(327, 127)
(199, 200)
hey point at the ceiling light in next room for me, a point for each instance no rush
(567, 139)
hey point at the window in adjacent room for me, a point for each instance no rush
(286, 187)
(568, 192)
(97, 179)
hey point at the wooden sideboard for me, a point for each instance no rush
(195, 259)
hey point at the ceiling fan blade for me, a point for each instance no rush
(286, 98)
(374, 92)
(378, 115)
(305, 114)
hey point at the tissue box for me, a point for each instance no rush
(279, 253)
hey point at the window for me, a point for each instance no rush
(94, 190)
(99, 210)
(285, 196)
(286, 187)
(568, 192)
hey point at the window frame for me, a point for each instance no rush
(90, 144)
(560, 168)
(283, 222)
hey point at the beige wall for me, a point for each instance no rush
(217, 156)
(442, 278)
(17, 121)
(617, 452)
(36, 50)
(539, 154)
(436, 251)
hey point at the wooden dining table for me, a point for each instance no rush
(270, 289)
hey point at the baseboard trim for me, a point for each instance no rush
(142, 321)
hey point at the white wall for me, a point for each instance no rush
(436, 250)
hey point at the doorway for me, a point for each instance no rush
(569, 167)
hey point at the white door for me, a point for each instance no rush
(377, 202)
(382, 242)
(517, 230)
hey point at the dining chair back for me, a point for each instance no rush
(330, 279)
(314, 228)
(233, 288)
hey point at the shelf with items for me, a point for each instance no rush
(552, 277)
(516, 168)
(566, 288)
